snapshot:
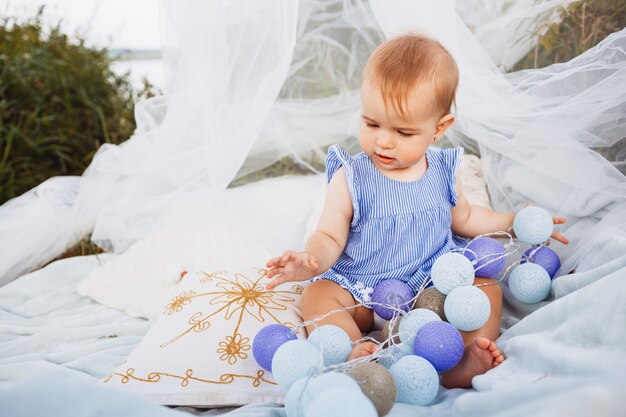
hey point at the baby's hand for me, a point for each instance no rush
(292, 266)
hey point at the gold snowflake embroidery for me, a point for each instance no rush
(178, 302)
(237, 296)
(234, 347)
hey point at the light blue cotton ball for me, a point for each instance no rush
(533, 225)
(294, 360)
(413, 321)
(306, 389)
(296, 397)
(393, 353)
(342, 402)
(334, 343)
(330, 380)
(451, 270)
(467, 308)
(529, 283)
(416, 379)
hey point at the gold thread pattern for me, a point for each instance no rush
(234, 346)
(154, 377)
(239, 296)
(178, 302)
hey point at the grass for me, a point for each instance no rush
(59, 102)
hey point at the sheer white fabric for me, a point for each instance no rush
(251, 82)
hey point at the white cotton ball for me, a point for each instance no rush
(451, 270)
(529, 283)
(334, 343)
(413, 321)
(467, 308)
(533, 225)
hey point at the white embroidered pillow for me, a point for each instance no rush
(199, 351)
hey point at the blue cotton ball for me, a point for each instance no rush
(529, 283)
(267, 341)
(544, 257)
(440, 343)
(393, 353)
(467, 308)
(451, 270)
(394, 293)
(416, 379)
(489, 255)
(334, 343)
(533, 225)
(294, 360)
(413, 321)
(341, 402)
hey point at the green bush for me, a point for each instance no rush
(59, 101)
(581, 25)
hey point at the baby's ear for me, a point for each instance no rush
(442, 125)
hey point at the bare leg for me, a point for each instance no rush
(481, 353)
(323, 296)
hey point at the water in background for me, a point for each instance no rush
(140, 64)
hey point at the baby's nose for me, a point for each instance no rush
(384, 139)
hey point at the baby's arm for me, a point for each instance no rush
(470, 221)
(324, 246)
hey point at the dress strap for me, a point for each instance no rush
(451, 158)
(336, 158)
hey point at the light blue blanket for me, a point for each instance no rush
(568, 357)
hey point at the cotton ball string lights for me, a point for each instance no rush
(533, 225)
(529, 283)
(432, 299)
(416, 379)
(377, 384)
(467, 308)
(451, 270)
(341, 402)
(488, 255)
(293, 360)
(392, 294)
(393, 353)
(440, 343)
(544, 257)
(413, 321)
(333, 342)
(267, 341)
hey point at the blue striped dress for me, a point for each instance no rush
(398, 228)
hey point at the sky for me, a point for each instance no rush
(128, 24)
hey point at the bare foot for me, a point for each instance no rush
(362, 349)
(480, 356)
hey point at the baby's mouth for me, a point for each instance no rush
(384, 159)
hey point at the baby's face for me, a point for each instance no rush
(395, 145)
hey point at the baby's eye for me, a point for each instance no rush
(372, 125)
(406, 135)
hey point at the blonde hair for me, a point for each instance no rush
(400, 64)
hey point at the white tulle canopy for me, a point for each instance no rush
(251, 82)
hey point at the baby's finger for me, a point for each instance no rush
(273, 262)
(558, 220)
(276, 282)
(560, 238)
(275, 271)
(288, 256)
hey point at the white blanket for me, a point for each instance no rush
(566, 358)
